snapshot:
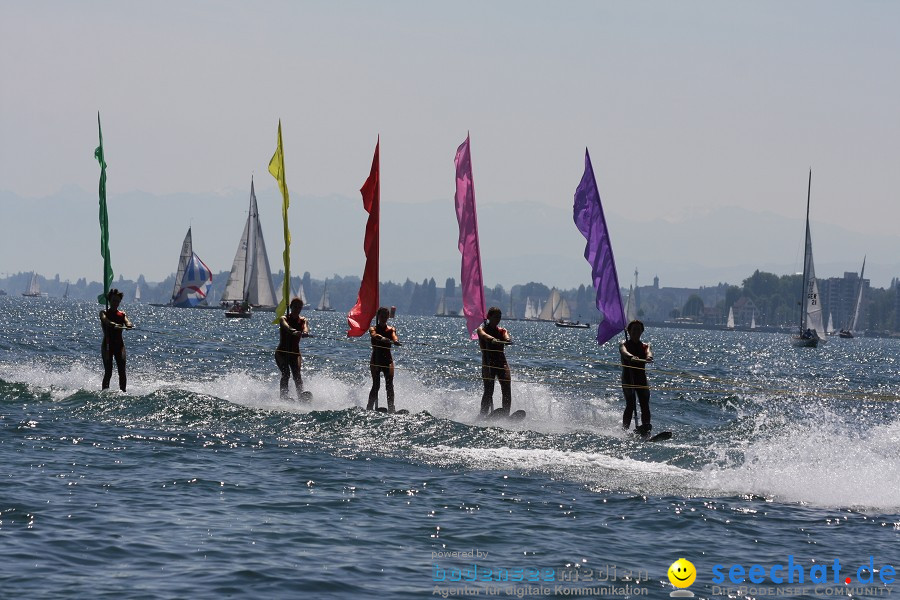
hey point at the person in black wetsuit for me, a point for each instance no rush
(635, 356)
(287, 356)
(383, 337)
(113, 321)
(493, 339)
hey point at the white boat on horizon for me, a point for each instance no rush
(850, 328)
(324, 304)
(34, 288)
(250, 281)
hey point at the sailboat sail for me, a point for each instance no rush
(730, 323)
(193, 280)
(66, 293)
(854, 321)
(529, 309)
(325, 300)
(812, 307)
(556, 308)
(195, 284)
(441, 308)
(830, 328)
(137, 292)
(630, 308)
(250, 279)
(302, 294)
(753, 321)
(34, 288)
(183, 260)
(812, 327)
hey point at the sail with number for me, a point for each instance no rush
(556, 308)
(250, 279)
(812, 326)
(193, 279)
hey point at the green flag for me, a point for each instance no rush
(276, 168)
(104, 220)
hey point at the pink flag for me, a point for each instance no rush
(472, 281)
(361, 315)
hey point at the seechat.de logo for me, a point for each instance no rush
(682, 574)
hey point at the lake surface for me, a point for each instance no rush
(200, 482)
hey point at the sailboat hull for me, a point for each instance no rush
(573, 325)
(804, 342)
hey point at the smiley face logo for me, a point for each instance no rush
(682, 573)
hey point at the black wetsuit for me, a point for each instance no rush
(494, 366)
(287, 356)
(382, 363)
(113, 347)
(634, 384)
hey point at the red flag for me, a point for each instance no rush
(360, 316)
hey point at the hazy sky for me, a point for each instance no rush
(685, 106)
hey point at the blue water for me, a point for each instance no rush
(200, 482)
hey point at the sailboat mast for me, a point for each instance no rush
(805, 291)
(859, 293)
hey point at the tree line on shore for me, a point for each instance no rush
(775, 296)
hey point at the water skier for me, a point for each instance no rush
(291, 327)
(382, 363)
(493, 340)
(635, 356)
(113, 321)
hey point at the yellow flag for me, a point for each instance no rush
(276, 168)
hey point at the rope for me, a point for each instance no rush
(737, 386)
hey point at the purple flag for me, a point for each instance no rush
(472, 282)
(598, 252)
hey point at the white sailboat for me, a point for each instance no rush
(556, 308)
(193, 279)
(325, 301)
(302, 295)
(34, 288)
(730, 323)
(250, 281)
(137, 292)
(530, 312)
(753, 321)
(830, 328)
(850, 328)
(66, 293)
(630, 306)
(811, 329)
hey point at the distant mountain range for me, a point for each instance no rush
(520, 241)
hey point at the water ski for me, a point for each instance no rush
(502, 414)
(644, 432)
(402, 411)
